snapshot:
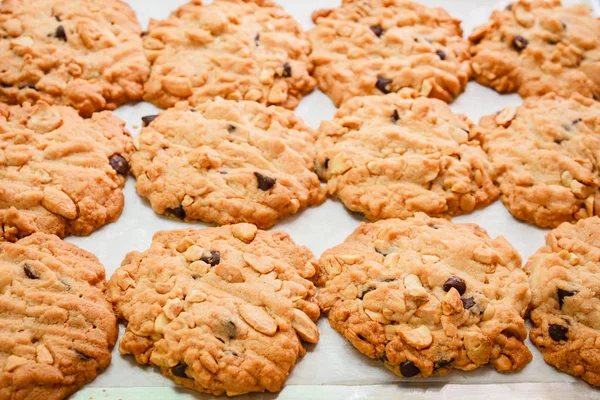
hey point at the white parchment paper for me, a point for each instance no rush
(332, 368)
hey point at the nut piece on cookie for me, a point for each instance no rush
(393, 156)
(58, 330)
(235, 49)
(216, 310)
(545, 154)
(227, 162)
(60, 173)
(376, 47)
(564, 276)
(425, 296)
(535, 47)
(83, 54)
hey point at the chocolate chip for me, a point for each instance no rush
(558, 332)
(257, 39)
(231, 330)
(408, 369)
(468, 303)
(441, 54)
(377, 30)
(382, 84)
(30, 272)
(231, 128)
(264, 182)
(212, 258)
(456, 283)
(326, 163)
(81, 356)
(287, 70)
(178, 212)
(395, 116)
(56, 17)
(519, 43)
(60, 33)
(148, 119)
(443, 363)
(119, 164)
(575, 122)
(365, 292)
(144, 34)
(562, 293)
(179, 370)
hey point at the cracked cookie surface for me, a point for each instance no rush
(219, 310)
(227, 162)
(56, 328)
(391, 156)
(564, 277)
(60, 173)
(425, 296)
(85, 54)
(535, 47)
(236, 49)
(381, 46)
(546, 155)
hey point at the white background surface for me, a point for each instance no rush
(332, 369)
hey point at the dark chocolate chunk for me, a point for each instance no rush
(441, 54)
(383, 84)
(81, 356)
(231, 128)
(468, 302)
(395, 116)
(148, 119)
(30, 272)
(264, 182)
(178, 212)
(60, 33)
(119, 164)
(366, 291)
(456, 283)
(519, 43)
(443, 363)
(179, 370)
(377, 30)
(231, 330)
(562, 293)
(558, 332)
(408, 369)
(287, 70)
(213, 258)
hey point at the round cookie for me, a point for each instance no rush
(535, 47)
(219, 310)
(381, 46)
(84, 54)
(564, 276)
(391, 156)
(57, 329)
(425, 296)
(60, 173)
(235, 49)
(227, 162)
(546, 156)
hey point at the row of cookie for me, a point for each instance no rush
(254, 50)
(225, 310)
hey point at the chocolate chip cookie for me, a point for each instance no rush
(57, 329)
(227, 162)
(84, 54)
(376, 47)
(563, 276)
(392, 156)
(219, 310)
(535, 47)
(425, 296)
(235, 49)
(546, 156)
(60, 173)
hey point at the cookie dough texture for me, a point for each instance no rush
(425, 296)
(56, 328)
(219, 310)
(546, 155)
(236, 49)
(381, 46)
(86, 54)
(564, 277)
(227, 162)
(60, 173)
(392, 156)
(535, 47)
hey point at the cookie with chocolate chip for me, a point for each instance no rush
(535, 47)
(57, 328)
(377, 47)
(563, 276)
(219, 310)
(60, 173)
(392, 156)
(235, 49)
(85, 54)
(426, 296)
(227, 162)
(545, 154)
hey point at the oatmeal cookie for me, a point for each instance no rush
(425, 296)
(219, 310)
(60, 173)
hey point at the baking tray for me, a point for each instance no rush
(331, 369)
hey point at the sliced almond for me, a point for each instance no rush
(58, 202)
